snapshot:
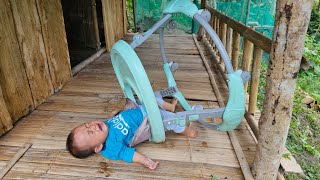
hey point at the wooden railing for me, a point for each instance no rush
(230, 32)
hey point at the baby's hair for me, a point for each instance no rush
(74, 150)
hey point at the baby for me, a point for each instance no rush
(115, 137)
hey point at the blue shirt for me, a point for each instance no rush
(121, 131)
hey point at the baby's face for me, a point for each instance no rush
(90, 134)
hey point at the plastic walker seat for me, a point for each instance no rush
(132, 77)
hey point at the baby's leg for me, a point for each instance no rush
(170, 106)
(190, 132)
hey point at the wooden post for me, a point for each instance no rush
(292, 20)
(254, 83)
(223, 37)
(229, 41)
(235, 49)
(246, 58)
(95, 23)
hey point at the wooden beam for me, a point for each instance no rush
(15, 158)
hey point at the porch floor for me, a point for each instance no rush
(94, 92)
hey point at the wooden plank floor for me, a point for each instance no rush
(94, 93)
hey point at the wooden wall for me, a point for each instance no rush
(114, 20)
(34, 58)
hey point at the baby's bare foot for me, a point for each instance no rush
(190, 132)
(174, 101)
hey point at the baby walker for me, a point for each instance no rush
(132, 77)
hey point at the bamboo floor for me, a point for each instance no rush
(94, 93)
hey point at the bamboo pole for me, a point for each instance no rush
(234, 140)
(87, 61)
(254, 83)
(235, 49)
(246, 58)
(252, 123)
(229, 41)
(95, 24)
(223, 38)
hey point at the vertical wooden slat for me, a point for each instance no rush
(229, 41)
(112, 11)
(254, 83)
(223, 38)
(125, 20)
(31, 43)
(235, 49)
(246, 58)
(55, 41)
(13, 79)
(223, 34)
(5, 118)
(95, 23)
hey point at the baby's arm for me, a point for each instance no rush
(147, 162)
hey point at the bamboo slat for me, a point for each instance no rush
(14, 160)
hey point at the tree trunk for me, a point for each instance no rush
(292, 19)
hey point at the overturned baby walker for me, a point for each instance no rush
(132, 77)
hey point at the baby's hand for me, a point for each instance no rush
(150, 164)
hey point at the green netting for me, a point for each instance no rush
(261, 13)
(148, 12)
